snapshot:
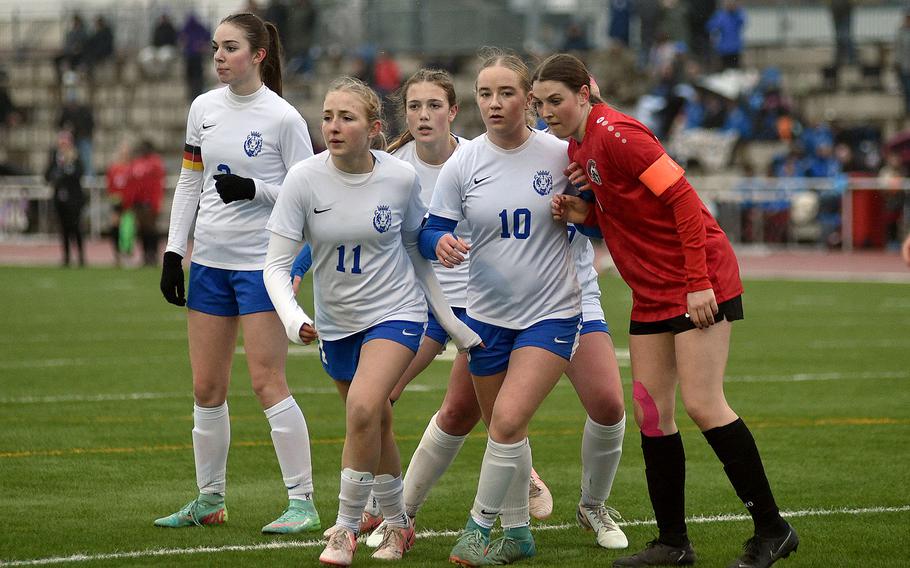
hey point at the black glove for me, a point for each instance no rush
(172, 279)
(234, 188)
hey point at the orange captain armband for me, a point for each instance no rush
(660, 175)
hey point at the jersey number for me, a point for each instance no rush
(356, 253)
(521, 224)
(572, 230)
(224, 168)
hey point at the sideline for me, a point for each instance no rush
(160, 552)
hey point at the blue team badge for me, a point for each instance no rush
(382, 218)
(253, 144)
(543, 182)
(593, 174)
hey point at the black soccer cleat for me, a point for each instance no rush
(659, 554)
(759, 552)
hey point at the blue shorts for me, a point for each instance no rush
(559, 336)
(435, 331)
(341, 356)
(222, 292)
(591, 326)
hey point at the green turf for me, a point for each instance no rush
(818, 370)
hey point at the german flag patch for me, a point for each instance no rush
(192, 158)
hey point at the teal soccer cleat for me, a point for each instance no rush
(203, 510)
(300, 516)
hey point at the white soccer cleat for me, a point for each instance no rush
(395, 542)
(375, 538)
(600, 519)
(540, 501)
(341, 546)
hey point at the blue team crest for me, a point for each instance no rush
(543, 182)
(382, 218)
(253, 144)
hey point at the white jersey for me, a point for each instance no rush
(583, 253)
(521, 271)
(258, 136)
(362, 274)
(454, 281)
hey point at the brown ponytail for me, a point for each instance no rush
(262, 35)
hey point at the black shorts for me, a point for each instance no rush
(731, 310)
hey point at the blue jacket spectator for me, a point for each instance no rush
(726, 29)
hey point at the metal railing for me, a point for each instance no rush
(775, 211)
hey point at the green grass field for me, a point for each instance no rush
(96, 413)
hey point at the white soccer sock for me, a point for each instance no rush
(372, 505)
(501, 464)
(211, 439)
(292, 446)
(355, 490)
(515, 506)
(601, 448)
(433, 456)
(387, 490)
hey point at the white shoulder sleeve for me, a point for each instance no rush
(463, 336)
(294, 144)
(277, 277)
(183, 210)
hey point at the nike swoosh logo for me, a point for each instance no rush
(558, 340)
(318, 211)
(405, 332)
(483, 512)
(481, 180)
(207, 126)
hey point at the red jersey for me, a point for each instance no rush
(149, 175)
(118, 181)
(662, 238)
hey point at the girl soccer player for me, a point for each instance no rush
(686, 292)
(240, 142)
(360, 210)
(593, 371)
(501, 183)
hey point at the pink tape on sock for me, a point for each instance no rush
(650, 417)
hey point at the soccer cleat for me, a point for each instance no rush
(540, 501)
(659, 554)
(375, 538)
(761, 552)
(395, 542)
(600, 519)
(339, 551)
(506, 550)
(300, 516)
(205, 509)
(469, 548)
(369, 521)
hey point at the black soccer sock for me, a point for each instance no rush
(665, 470)
(736, 448)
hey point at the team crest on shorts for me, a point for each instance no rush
(593, 174)
(253, 144)
(543, 182)
(382, 218)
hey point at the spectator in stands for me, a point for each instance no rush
(905, 250)
(302, 20)
(148, 177)
(156, 59)
(620, 20)
(699, 13)
(576, 40)
(891, 179)
(78, 118)
(842, 17)
(277, 12)
(674, 21)
(73, 50)
(120, 196)
(9, 114)
(100, 45)
(64, 174)
(648, 12)
(902, 59)
(726, 29)
(386, 74)
(196, 40)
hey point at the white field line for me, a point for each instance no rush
(418, 387)
(280, 545)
